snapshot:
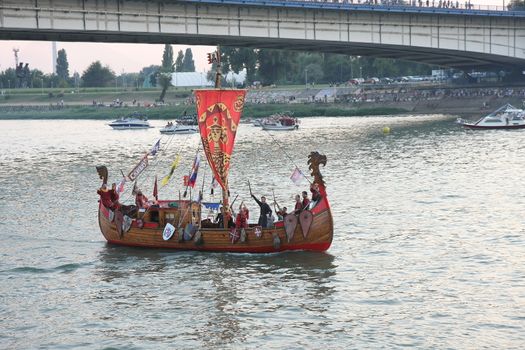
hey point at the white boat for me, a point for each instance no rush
(130, 122)
(505, 117)
(280, 122)
(175, 128)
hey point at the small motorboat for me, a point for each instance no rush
(133, 121)
(282, 121)
(173, 128)
(505, 117)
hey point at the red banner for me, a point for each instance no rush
(218, 113)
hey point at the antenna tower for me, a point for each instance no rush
(15, 50)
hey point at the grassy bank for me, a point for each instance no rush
(171, 112)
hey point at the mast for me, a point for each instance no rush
(226, 189)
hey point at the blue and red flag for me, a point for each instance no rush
(194, 171)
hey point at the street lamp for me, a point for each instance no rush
(306, 78)
(42, 85)
(360, 72)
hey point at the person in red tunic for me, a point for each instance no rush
(105, 196)
(316, 194)
(306, 201)
(114, 196)
(241, 221)
(298, 204)
(141, 201)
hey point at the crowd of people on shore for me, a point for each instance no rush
(415, 95)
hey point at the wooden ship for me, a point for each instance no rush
(312, 229)
(178, 224)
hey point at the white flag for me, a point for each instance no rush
(297, 176)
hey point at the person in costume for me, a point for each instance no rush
(241, 220)
(105, 196)
(306, 201)
(141, 201)
(316, 194)
(265, 210)
(298, 204)
(114, 196)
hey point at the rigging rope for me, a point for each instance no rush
(286, 154)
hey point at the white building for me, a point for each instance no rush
(189, 79)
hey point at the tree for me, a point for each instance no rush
(150, 74)
(62, 67)
(97, 76)
(517, 5)
(167, 58)
(166, 69)
(179, 61)
(187, 64)
(237, 59)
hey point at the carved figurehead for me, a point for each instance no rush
(103, 173)
(314, 159)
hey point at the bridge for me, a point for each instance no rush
(462, 38)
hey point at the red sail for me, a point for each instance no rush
(218, 114)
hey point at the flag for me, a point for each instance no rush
(120, 185)
(135, 189)
(139, 168)
(155, 148)
(194, 171)
(297, 176)
(167, 178)
(155, 189)
(214, 184)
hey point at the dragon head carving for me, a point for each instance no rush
(103, 173)
(314, 160)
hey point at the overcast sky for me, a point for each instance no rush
(126, 58)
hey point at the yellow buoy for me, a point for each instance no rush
(386, 130)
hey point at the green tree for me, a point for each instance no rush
(97, 76)
(236, 59)
(517, 5)
(148, 73)
(179, 61)
(167, 58)
(62, 67)
(8, 78)
(187, 64)
(166, 69)
(274, 66)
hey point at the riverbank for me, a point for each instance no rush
(260, 103)
(172, 112)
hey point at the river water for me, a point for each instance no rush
(428, 250)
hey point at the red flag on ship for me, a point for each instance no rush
(155, 189)
(218, 113)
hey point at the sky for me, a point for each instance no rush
(127, 58)
(121, 58)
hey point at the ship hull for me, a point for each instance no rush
(318, 238)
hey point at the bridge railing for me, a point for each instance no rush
(413, 4)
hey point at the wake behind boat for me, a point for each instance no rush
(132, 121)
(505, 117)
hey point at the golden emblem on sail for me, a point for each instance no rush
(221, 109)
(238, 105)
